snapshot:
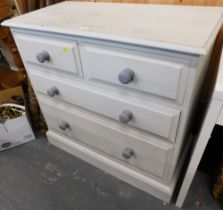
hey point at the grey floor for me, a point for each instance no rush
(39, 176)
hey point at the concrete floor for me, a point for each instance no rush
(39, 176)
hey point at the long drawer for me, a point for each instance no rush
(110, 165)
(157, 119)
(133, 70)
(142, 151)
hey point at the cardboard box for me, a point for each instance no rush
(15, 132)
(9, 95)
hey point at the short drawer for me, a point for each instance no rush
(49, 52)
(155, 118)
(129, 69)
(142, 151)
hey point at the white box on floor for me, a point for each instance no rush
(15, 132)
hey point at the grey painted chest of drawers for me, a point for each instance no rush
(118, 83)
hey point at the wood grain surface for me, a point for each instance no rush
(5, 11)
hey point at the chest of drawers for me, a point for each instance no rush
(118, 83)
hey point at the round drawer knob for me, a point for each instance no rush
(128, 153)
(126, 76)
(43, 57)
(125, 116)
(64, 125)
(53, 91)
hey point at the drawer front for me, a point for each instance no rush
(143, 152)
(53, 53)
(147, 116)
(128, 69)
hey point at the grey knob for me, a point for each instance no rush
(125, 116)
(64, 125)
(53, 91)
(126, 76)
(128, 153)
(42, 57)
